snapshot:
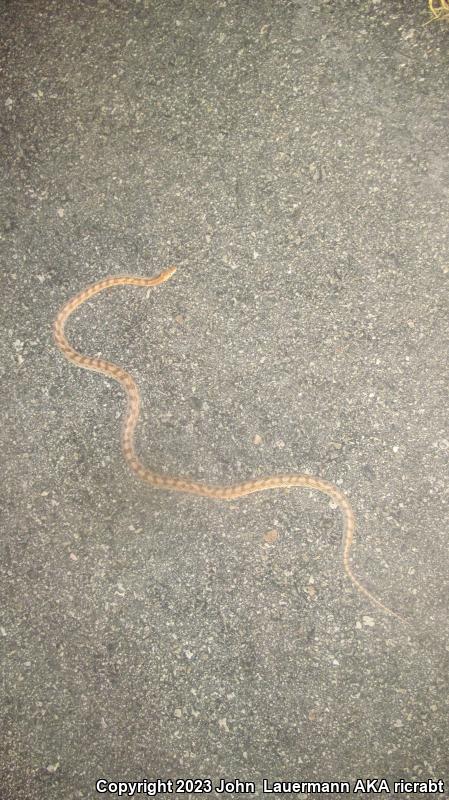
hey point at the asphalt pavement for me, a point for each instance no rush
(291, 160)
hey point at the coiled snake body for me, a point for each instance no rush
(180, 484)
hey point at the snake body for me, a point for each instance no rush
(181, 484)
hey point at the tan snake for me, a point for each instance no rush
(179, 484)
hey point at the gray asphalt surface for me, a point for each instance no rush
(292, 160)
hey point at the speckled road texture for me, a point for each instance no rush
(292, 161)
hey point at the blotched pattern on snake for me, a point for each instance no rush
(180, 484)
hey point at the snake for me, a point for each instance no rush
(182, 484)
